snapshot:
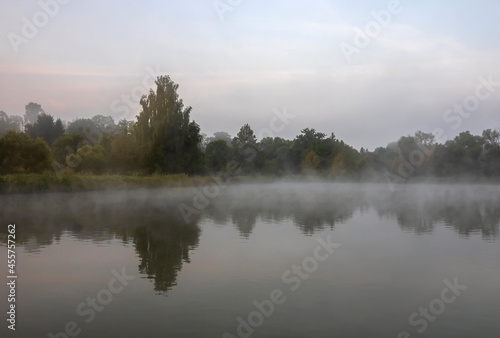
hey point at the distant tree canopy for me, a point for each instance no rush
(81, 126)
(220, 135)
(276, 156)
(217, 154)
(245, 150)
(125, 127)
(94, 128)
(10, 123)
(419, 155)
(31, 113)
(46, 128)
(164, 139)
(168, 140)
(105, 124)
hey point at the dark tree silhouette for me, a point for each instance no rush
(168, 139)
(46, 128)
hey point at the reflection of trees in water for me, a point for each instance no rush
(466, 210)
(244, 220)
(410, 213)
(325, 211)
(160, 235)
(475, 216)
(417, 208)
(309, 209)
(162, 249)
(44, 218)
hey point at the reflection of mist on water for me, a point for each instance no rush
(310, 206)
(151, 221)
(314, 206)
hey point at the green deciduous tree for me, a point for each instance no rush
(276, 154)
(491, 138)
(123, 154)
(66, 145)
(19, 153)
(93, 159)
(169, 141)
(106, 124)
(125, 127)
(81, 126)
(303, 144)
(246, 153)
(217, 155)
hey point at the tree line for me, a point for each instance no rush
(164, 140)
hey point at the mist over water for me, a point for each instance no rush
(468, 209)
(396, 249)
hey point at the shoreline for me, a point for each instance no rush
(39, 183)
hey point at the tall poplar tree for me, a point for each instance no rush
(167, 138)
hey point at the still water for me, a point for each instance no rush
(265, 260)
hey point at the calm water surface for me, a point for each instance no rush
(422, 261)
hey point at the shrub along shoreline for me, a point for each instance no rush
(35, 183)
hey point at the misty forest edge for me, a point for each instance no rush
(164, 140)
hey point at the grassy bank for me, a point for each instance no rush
(30, 183)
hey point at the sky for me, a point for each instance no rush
(368, 71)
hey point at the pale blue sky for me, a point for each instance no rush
(264, 55)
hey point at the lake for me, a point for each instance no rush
(309, 259)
